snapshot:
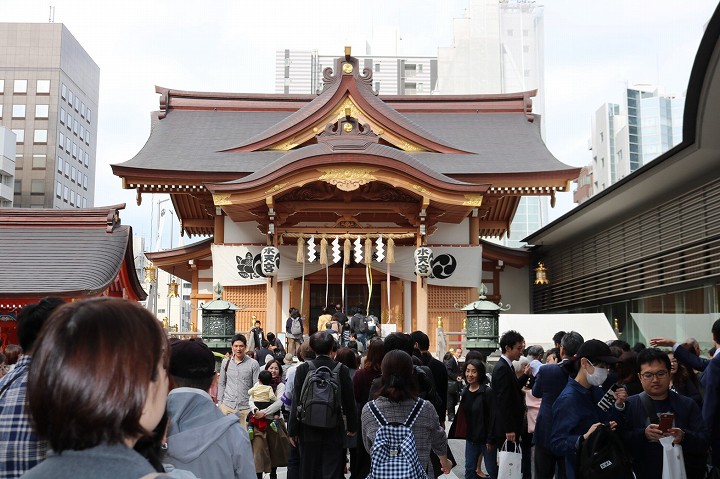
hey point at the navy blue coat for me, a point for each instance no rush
(710, 413)
(550, 380)
(647, 456)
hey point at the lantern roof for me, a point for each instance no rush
(482, 304)
(220, 305)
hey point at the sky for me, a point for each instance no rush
(592, 51)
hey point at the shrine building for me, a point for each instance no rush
(345, 197)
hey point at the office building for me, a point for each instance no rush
(49, 89)
(7, 166)
(301, 72)
(625, 139)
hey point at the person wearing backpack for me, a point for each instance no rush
(322, 393)
(294, 330)
(359, 325)
(398, 428)
(576, 413)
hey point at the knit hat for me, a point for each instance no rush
(191, 359)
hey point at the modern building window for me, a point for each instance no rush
(20, 134)
(85, 181)
(18, 111)
(67, 169)
(419, 68)
(66, 193)
(72, 198)
(37, 187)
(86, 159)
(69, 122)
(87, 115)
(59, 164)
(68, 144)
(42, 111)
(2, 87)
(377, 86)
(40, 136)
(75, 126)
(81, 153)
(18, 187)
(77, 104)
(87, 137)
(70, 97)
(82, 109)
(58, 189)
(73, 174)
(20, 86)
(63, 91)
(1, 110)
(84, 202)
(42, 87)
(420, 87)
(61, 140)
(377, 67)
(39, 161)
(82, 132)
(63, 116)
(74, 150)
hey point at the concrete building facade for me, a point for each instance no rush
(49, 90)
(7, 166)
(625, 138)
(301, 72)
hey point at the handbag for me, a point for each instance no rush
(509, 462)
(279, 444)
(673, 462)
(458, 428)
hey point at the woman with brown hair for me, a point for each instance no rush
(395, 401)
(98, 382)
(270, 448)
(684, 382)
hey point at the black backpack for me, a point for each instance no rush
(603, 456)
(320, 404)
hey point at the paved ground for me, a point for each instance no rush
(458, 449)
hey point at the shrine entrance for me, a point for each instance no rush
(355, 295)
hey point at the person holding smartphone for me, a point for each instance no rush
(659, 412)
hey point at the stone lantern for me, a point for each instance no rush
(218, 325)
(483, 323)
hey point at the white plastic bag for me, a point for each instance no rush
(673, 462)
(509, 462)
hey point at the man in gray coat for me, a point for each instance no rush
(202, 439)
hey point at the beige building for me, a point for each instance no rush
(49, 88)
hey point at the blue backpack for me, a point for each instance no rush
(393, 454)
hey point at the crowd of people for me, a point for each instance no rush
(100, 391)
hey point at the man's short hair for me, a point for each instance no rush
(32, 318)
(557, 337)
(238, 337)
(716, 331)
(264, 343)
(509, 339)
(571, 343)
(322, 343)
(421, 339)
(536, 351)
(400, 341)
(649, 355)
(270, 337)
(624, 345)
(257, 321)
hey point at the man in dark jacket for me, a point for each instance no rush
(321, 450)
(640, 425)
(510, 409)
(550, 380)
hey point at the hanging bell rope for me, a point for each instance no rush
(347, 249)
(368, 278)
(300, 250)
(390, 251)
(368, 250)
(324, 251)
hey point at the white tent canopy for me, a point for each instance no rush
(538, 329)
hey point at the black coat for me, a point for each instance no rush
(510, 399)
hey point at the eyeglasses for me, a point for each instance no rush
(660, 375)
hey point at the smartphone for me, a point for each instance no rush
(666, 421)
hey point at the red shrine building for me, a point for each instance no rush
(344, 197)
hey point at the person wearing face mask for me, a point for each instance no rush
(576, 412)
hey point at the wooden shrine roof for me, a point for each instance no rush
(66, 252)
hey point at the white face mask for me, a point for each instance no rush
(598, 377)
